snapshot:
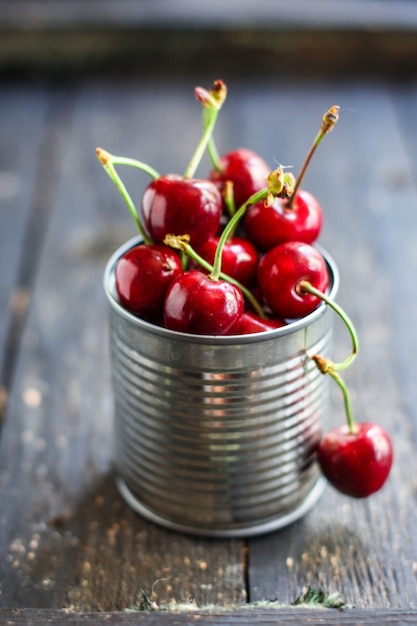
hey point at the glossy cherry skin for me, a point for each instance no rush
(143, 275)
(195, 303)
(176, 206)
(280, 272)
(239, 258)
(252, 323)
(268, 226)
(357, 464)
(245, 169)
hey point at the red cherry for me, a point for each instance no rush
(245, 169)
(195, 303)
(178, 206)
(280, 272)
(358, 463)
(252, 323)
(239, 258)
(143, 275)
(268, 226)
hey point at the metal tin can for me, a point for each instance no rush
(216, 436)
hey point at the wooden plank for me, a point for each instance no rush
(404, 102)
(24, 140)
(365, 550)
(247, 617)
(66, 538)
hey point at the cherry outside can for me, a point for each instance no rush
(216, 436)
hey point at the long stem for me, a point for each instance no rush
(328, 122)
(348, 408)
(106, 160)
(202, 145)
(230, 228)
(325, 365)
(305, 286)
(211, 145)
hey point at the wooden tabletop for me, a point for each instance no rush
(72, 552)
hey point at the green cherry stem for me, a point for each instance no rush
(326, 366)
(202, 145)
(140, 165)
(182, 243)
(212, 102)
(348, 408)
(328, 122)
(230, 228)
(305, 287)
(229, 199)
(105, 159)
(211, 145)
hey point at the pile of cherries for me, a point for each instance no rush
(233, 254)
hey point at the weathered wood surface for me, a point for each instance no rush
(66, 538)
(34, 124)
(245, 617)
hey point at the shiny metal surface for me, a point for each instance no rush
(216, 435)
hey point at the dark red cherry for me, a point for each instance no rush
(252, 323)
(245, 169)
(143, 275)
(239, 258)
(358, 463)
(280, 272)
(268, 226)
(195, 303)
(177, 206)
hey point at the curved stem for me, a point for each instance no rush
(106, 160)
(248, 295)
(346, 398)
(230, 228)
(183, 245)
(140, 165)
(326, 366)
(305, 286)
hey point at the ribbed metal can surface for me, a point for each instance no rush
(216, 436)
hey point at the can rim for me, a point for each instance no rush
(292, 326)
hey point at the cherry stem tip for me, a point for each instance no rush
(107, 161)
(328, 122)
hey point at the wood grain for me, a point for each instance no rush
(66, 537)
(363, 549)
(247, 617)
(18, 158)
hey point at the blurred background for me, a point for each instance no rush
(274, 37)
